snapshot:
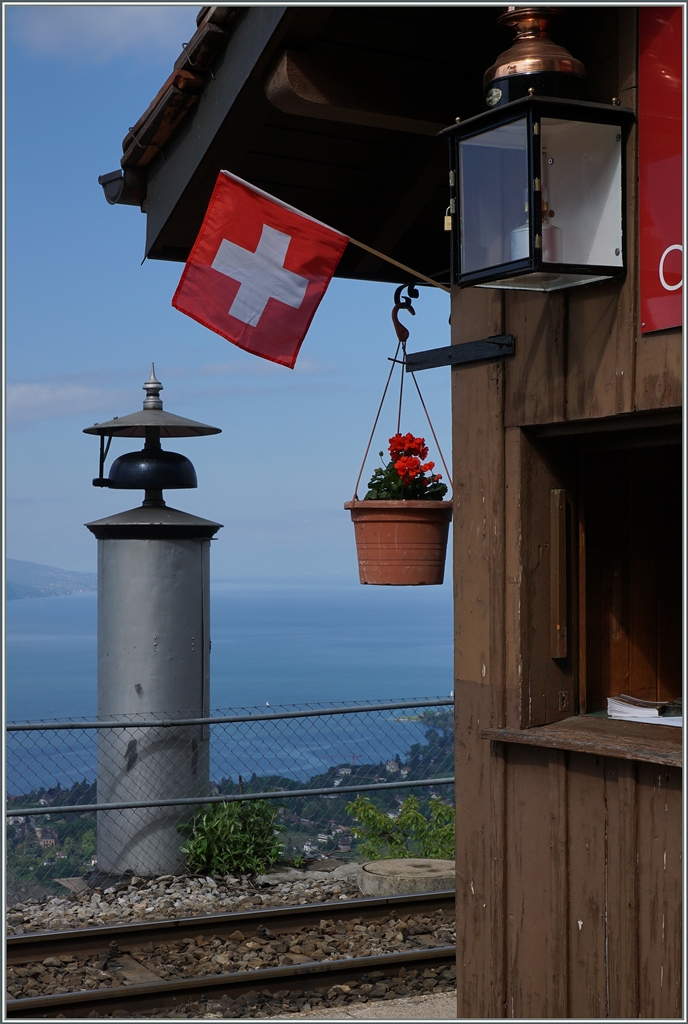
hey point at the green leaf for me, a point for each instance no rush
(233, 837)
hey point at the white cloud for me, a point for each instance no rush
(29, 402)
(95, 34)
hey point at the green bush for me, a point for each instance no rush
(410, 834)
(232, 837)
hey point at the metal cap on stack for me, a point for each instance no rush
(151, 469)
(534, 62)
(137, 423)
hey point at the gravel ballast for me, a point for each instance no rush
(402, 989)
(207, 954)
(169, 896)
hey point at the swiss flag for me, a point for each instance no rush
(258, 270)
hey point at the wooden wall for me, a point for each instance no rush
(568, 864)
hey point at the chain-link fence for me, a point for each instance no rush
(143, 777)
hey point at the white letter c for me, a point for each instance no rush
(669, 287)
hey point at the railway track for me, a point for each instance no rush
(141, 990)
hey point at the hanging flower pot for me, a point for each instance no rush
(402, 523)
(401, 543)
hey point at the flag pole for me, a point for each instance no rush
(354, 241)
(402, 266)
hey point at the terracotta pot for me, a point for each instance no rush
(401, 543)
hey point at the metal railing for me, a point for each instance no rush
(309, 759)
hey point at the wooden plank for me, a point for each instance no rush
(538, 666)
(607, 514)
(559, 926)
(131, 970)
(587, 892)
(631, 741)
(603, 318)
(643, 575)
(486, 349)
(516, 595)
(558, 633)
(532, 946)
(660, 910)
(549, 683)
(304, 86)
(582, 708)
(670, 584)
(659, 370)
(477, 400)
(601, 325)
(535, 377)
(622, 888)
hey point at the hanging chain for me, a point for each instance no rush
(372, 432)
(401, 383)
(402, 332)
(427, 416)
(402, 302)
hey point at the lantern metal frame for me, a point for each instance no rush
(533, 109)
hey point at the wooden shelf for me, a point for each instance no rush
(606, 737)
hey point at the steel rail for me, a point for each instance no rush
(156, 995)
(22, 949)
(194, 801)
(168, 723)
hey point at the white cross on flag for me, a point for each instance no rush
(258, 270)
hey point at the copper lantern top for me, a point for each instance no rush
(534, 61)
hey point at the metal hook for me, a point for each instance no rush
(142, 146)
(193, 63)
(403, 303)
(413, 293)
(139, 144)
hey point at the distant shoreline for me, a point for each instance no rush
(32, 579)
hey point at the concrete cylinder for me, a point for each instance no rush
(153, 663)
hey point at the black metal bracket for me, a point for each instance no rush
(487, 349)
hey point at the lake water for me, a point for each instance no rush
(282, 645)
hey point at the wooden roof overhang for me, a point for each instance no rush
(333, 110)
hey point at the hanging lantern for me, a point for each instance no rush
(537, 181)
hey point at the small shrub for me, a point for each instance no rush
(410, 834)
(238, 836)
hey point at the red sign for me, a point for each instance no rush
(258, 270)
(660, 95)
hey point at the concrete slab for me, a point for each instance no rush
(441, 1006)
(408, 875)
(343, 871)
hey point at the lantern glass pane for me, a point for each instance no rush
(581, 181)
(493, 200)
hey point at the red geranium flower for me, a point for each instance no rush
(407, 445)
(404, 477)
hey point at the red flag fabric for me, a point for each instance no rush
(258, 270)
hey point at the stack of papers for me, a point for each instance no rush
(632, 709)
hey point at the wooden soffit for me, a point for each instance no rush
(333, 110)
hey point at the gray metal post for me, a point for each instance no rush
(153, 648)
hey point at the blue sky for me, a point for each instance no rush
(84, 320)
